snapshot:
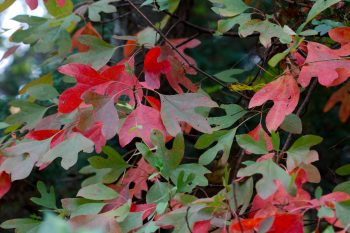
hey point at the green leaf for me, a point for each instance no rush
(177, 108)
(267, 31)
(169, 5)
(224, 142)
(81, 206)
(47, 199)
(300, 149)
(270, 171)
(59, 11)
(147, 37)
(325, 212)
(343, 170)
(292, 124)
(45, 79)
(234, 112)
(342, 210)
(22, 225)
(226, 75)
(343, 187)
(317, 8)
(159, 193)
(99, 54)
(96, 8)
(276, 141)
(226, 24)
(243, 195)
(114, 162)
(68, 150)
(166, 161)
(54, 224)
(229, 8)
(97, 192)
(248, 143)
(29, 113)
(188, 176)
(43, 92)
(3, 125)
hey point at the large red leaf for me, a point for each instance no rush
(284, 92)
(114, 81)
(140, 123)
(343, 96)
(325, 64)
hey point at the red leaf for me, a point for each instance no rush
(176, 76)
(88, 29)
(154, 65)
(343, 96)
(95, 134)
(5, 183)
(189, 45)
(245, 225)
(284, 92)
(42, 134)
(325, 64)
(140, 123)
(255, 134)
(139, 177)
(342, 36)
(9, 52)
(154, 102)
(147, 209)
(287, 223)
(113, 81)
(129, 48)
(201, 226)
(33, 4)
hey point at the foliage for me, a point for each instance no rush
(173, 151)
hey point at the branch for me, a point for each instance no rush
(174, 47)
(299, 112)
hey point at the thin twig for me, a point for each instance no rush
(173, 47)
(299, 112)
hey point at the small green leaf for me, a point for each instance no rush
(99, 54)
(47, 199)
(3, 125)
(343, 187)
(224, 142)
(29, 113)
(227, 75)
(97, 192)
(22, 225)
(59, 11)
(233, 112)
(246, 142)
(317, 8)
(229, 8)
(159, 193)
(102, 6)
(342, 210)
(276, 141)
(114, 162)
(43, 92)
(292, 124)
(343, 170)
(270, 171)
